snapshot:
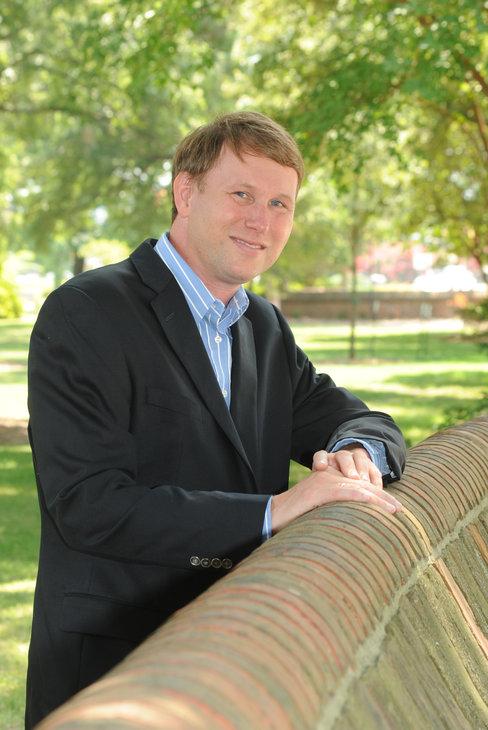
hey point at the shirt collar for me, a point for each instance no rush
(201, 301)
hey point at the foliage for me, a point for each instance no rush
(476, 312)
(447, 200)
(100, 252)
(457, 414)
(98, 97)
(411, 72)
(10, 305)
(476, 317)
(334, 222)
(94, 97)
(351, 66)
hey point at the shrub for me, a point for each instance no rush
(458, 414)
(475, 317)
(10, 305)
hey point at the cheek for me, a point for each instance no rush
(282, 232)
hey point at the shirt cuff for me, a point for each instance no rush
(375, 449)
(267, 521)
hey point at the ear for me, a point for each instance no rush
(182, 191)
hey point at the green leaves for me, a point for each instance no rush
(95, 96)
(98, 94)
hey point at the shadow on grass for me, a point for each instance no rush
(14, 335)
(409, 347)
(19, 514)
(17, 606)
(462, 378)
(19, 544)
(418, 414)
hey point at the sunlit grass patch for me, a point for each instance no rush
(417, 373)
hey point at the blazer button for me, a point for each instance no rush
(226, 563)
(216, 563)
(194, 560)
(205, 562)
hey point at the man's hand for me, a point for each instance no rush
(353, 461)
(327, 483)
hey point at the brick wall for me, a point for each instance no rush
(375, 305)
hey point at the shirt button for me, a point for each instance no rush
(218, 338)
(224, 392)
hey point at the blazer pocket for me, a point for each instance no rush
(84, 613)
(171, 402)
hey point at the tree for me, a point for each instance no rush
(412, 71)
(98, 97)
(448, 199)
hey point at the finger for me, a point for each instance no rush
(346, 464)
(332, 462)
(320, 461)
(363, 487)
(373, 475)
(385, 496)
(351, 491)
(364, 466)
(376, 477)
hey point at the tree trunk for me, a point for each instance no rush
(354, 241)
(78, 263)
(354, 292)
(483, 272)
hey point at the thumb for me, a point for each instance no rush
(320, 461)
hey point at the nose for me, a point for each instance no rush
(257, 218)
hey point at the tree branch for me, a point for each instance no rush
(426, 21)
(472, 71)
(443, 110)
(5, 109)
(481, 123)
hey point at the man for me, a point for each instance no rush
(165, 406)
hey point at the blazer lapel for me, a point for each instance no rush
(177, 322)
(244, 405)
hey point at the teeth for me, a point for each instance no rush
(251, 245)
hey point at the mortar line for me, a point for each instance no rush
(369, 651)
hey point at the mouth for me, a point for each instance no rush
(248, 245)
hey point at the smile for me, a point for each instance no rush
(248, 244)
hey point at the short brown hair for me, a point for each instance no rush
(242, 132)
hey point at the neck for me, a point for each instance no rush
(217, 289)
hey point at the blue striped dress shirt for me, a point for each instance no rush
(211, 316)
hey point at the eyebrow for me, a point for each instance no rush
(249, 186)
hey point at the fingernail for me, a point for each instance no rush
(364, 476)
(352, 473)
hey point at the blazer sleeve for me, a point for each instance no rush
(85, 457)
(323, 413)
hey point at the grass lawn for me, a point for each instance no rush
(412, 372)
(415, 371)
(18, 564)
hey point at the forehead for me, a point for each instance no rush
(253, 170)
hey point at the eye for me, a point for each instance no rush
(276, 203)
(242, 195)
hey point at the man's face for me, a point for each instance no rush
(236, 222)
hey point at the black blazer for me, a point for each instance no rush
(149, 488)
